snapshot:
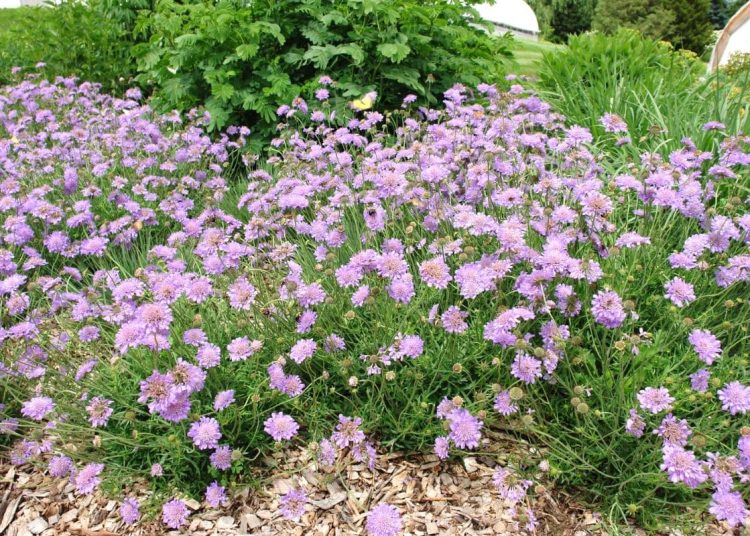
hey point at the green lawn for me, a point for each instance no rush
(527, 54)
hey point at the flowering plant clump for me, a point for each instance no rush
(420, 279)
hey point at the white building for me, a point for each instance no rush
(510, 16)
(19, 3)
(735, 37)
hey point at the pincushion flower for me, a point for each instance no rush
(216, 495)
(465, 429)
(735, 398)
(679, 292)
(655, 400)
(706, 345)
(280, 426)
(205, 433)
(292, 504)
(99, 410)
(384, 520)
(174, 513)
(608, 309)
(129, 511)
(38, 407)
(87, 479)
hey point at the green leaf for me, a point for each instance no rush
(247, 51)
(396, 52)
(223, 92)
(406, 76)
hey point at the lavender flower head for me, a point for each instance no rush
(292, 504)
(174, 514)
(384, 520)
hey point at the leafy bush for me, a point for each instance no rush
(244, 60)
(72, 38)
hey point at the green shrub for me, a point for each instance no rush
(242, 61)
(71, 39)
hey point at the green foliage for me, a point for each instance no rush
(242, 61)
(570, 17)
(72, 39)
(718, 14)
(684, 23)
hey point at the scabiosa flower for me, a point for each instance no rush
(347, 432)
(608, 309)
(504, 404)
(327, 453)
(100, 410)
(735, 398)
(360, 296)
(60, 466)
(216, 495)
(37, 408)
(157, 470)
(613, 123)
(174, 513)
(453, 320)
(302, 350)
(280, 426)
(435, 273)
(241, 294)
(205, 433)
(221, 458)
(129, 511)
(87, 479)
(699, 380)
(526, 368)
(729, 506)
(679, 292)
(384, 520)
(292, 504)
(465, 429)
(673, 431)
(509, 486)
(705, 344)
(441, 447)
(682, 466)
(223, 399)
(655, 399)
(635, 425)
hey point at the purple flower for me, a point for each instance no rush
(607, 309)
(174, 513)
(221, 458)
(465, 429)
(453, 320)
(730, 507)
(679, 292)
(635, 425)
(216, 495)
(60, 466)
(129, 511)
(37, 408)
(526, 368)
(613, 123)
(735, 398)
(100, 410)
(705, 344)
(441, 447)
(292, 504)
(699, 380)
(655, 399)
(205, 433)
(281, 427)
(509, 486)
(157, 470)
(223, 399)
(674, 431)
(302, 350)
(87, 479)
(504, 404)
(347, 432)
(384, 520)
(435, 273)
(682, 466)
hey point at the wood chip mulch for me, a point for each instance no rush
(435, 498)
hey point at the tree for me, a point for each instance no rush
(684, 23)
(692, 28)
(718, 14)
(570, 17)
(650, 17)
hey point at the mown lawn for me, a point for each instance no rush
(527, 54)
